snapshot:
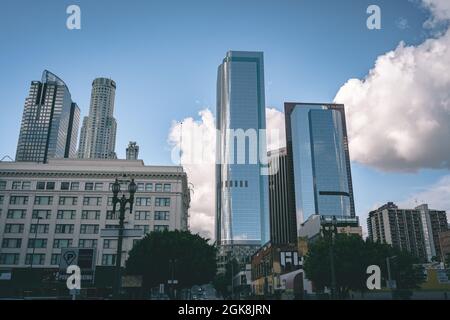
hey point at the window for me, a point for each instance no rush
(75, 186)
(158, 187)
(146, 228)
(35, 259)
(26, 185)
(111, 216)
(1, 200)
(142, 215)
(111, 226)
(161, 228)
(38, 228)
(15, 214)
(69, 201)
(167, 187)
(149, 187)
(56, 258)
(43, 200)
(89, 186)
(89, 229)
(9, 258)
(108, 259)
(16, 185)
(18, 200)
(140, 186)
(92, 201)
(66, 214)
(40, 185)
(143, 201)
(87, 243)
(13, 228)
(42, 214)
(11, 243)
(2, 185)
(64, 228)
(65, 185)
(90, 215)
(161, 215)
(50, 186)
(62, 243)
(37, 243)
(162, 202)
(110, 244)
(110, 201)
(98, 186)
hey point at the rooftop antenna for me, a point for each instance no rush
(181, 141)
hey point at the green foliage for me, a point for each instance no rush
(352, 255)
(222, 281)
(195, 259)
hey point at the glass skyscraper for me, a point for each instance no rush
(98, 133)
(319, 158)
(242, 208)
(50, 121)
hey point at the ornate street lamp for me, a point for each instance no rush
(122, 201)
(329, 231)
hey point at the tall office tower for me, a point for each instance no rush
(49, 121)
(282, 223)
(132, 151)
(416, 230)
(100, 132)
(242, 206)
(318, 156)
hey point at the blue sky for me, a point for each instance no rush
(164, 57)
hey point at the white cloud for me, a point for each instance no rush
(198, 139)
(198, 144)
(440, 11)
(398, 116)
(275, 124)
(436, 196)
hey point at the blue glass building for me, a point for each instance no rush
(319, 160)
(242, 208)
(50, 121)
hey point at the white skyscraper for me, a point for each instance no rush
(98, 134)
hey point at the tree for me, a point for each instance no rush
(186, 257)
(222, 281)
(352, 255)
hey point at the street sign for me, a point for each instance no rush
(128, 233)
(84, 258)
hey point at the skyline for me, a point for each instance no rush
(317, 84)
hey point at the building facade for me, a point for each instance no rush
(318, 157)
(98, 138)
(444, 244)
(269, 263)
(50, 121)
(282, 222)
(132, 151)
(242, 204)
(415, 230)
(67, 203)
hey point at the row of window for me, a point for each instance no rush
(69, 228)
(88, 186)
(87, 201)
(85, 214)
(39, 259)
(15, 243)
